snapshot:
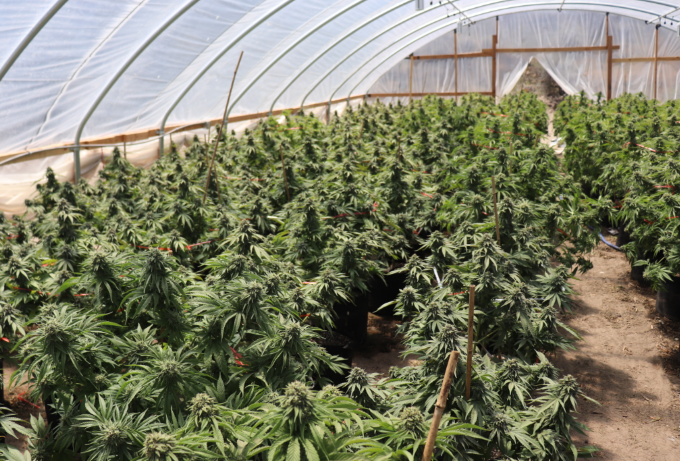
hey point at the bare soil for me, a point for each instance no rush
(629, 361)
(383, 348)
(19, 402)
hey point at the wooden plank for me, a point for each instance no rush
(565, 49)
(404, 95)
(140, 135)
(646, 59)
(482, 54)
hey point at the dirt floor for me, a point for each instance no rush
(629, 361)
(383, 348)
(20, 404)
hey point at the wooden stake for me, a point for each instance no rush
(471, 345)
(125, 149)
(285, 178)
(219, 131)
(495, 209)
(440, 405)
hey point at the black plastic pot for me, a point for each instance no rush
(636, 274)
(53, 417)
(340, 346)
(623, 237)
(352, 319)
(382, 293)
(668, 299)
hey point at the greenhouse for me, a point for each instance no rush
(339, 230)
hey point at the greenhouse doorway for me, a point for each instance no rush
(536, 79)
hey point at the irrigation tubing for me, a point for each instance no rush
(604, 240)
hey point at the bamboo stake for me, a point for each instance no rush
(495, 209)
(219, 130)
(285, 177)
(471, 346)
(440, 405)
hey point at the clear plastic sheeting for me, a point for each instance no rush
(18, 180)
(574, 71)
(86, 69)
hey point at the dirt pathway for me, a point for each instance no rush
(628, 362)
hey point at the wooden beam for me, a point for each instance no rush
(483, 54)
(404, 95)
(646, 59)
(565, 49)
(140, 135)
(489, 52)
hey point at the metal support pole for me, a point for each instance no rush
(410, 82)
(76, 163)
(161, 143)
(455, 63)
(656, 58)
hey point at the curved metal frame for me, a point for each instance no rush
(338, 41)
(212, 62)
(366, 42)
(30, 36)
(474, 7)
(83, 64)
(178, 14)
(506, 7)
(491, 12)
(292, 46)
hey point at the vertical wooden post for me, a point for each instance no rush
(410, 82)
(440, 405)
(471, 345)
(125, 149)
(455, 62)
(285, 177)
(495, 209)
(656, 57)
(610, 52)
(494, 43)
